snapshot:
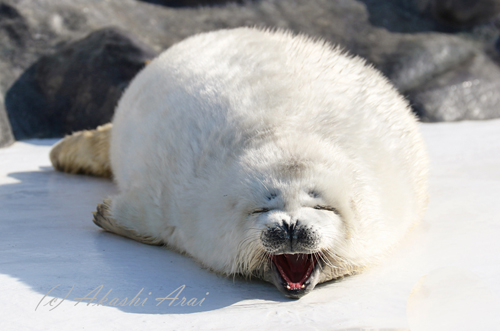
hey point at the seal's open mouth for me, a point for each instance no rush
(295, 269)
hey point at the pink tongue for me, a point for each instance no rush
(294, 268)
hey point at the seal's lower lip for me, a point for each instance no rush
(294, 270)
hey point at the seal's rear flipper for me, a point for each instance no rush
(103, 219)
(84, 152)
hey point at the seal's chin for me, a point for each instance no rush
(295, 274)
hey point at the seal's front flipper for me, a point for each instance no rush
(103, 219)
(84, 152)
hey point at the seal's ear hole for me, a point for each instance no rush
(271, 196)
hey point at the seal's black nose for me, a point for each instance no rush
(289, 238)
(289, 229)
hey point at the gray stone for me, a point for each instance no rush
(421, 57)
(190, 3)
(469, 92)
(6, 137)
(401, 37)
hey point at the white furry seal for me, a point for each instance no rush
(263, 153)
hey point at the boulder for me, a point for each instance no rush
(468, 92)
(419, 58)
(461, 13)
(191, 3)
(77, 87)
(6, 137)
(63, 68)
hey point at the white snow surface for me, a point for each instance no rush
(53, 259)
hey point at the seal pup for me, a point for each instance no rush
(260, 153)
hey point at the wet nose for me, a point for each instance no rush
(290, 230)
(290, 237)
(281, 237)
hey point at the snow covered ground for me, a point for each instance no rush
(54, 260)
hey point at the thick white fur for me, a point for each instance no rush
(217, 123)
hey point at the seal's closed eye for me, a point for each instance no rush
(260, 211)
(327, 208)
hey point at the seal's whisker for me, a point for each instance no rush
(326, 260)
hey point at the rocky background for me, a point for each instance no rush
(65, 63)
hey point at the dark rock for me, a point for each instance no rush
(190, 3)
(460, 13)
(76, 88)
(469, 92)
(52, 91)
(401, 16)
